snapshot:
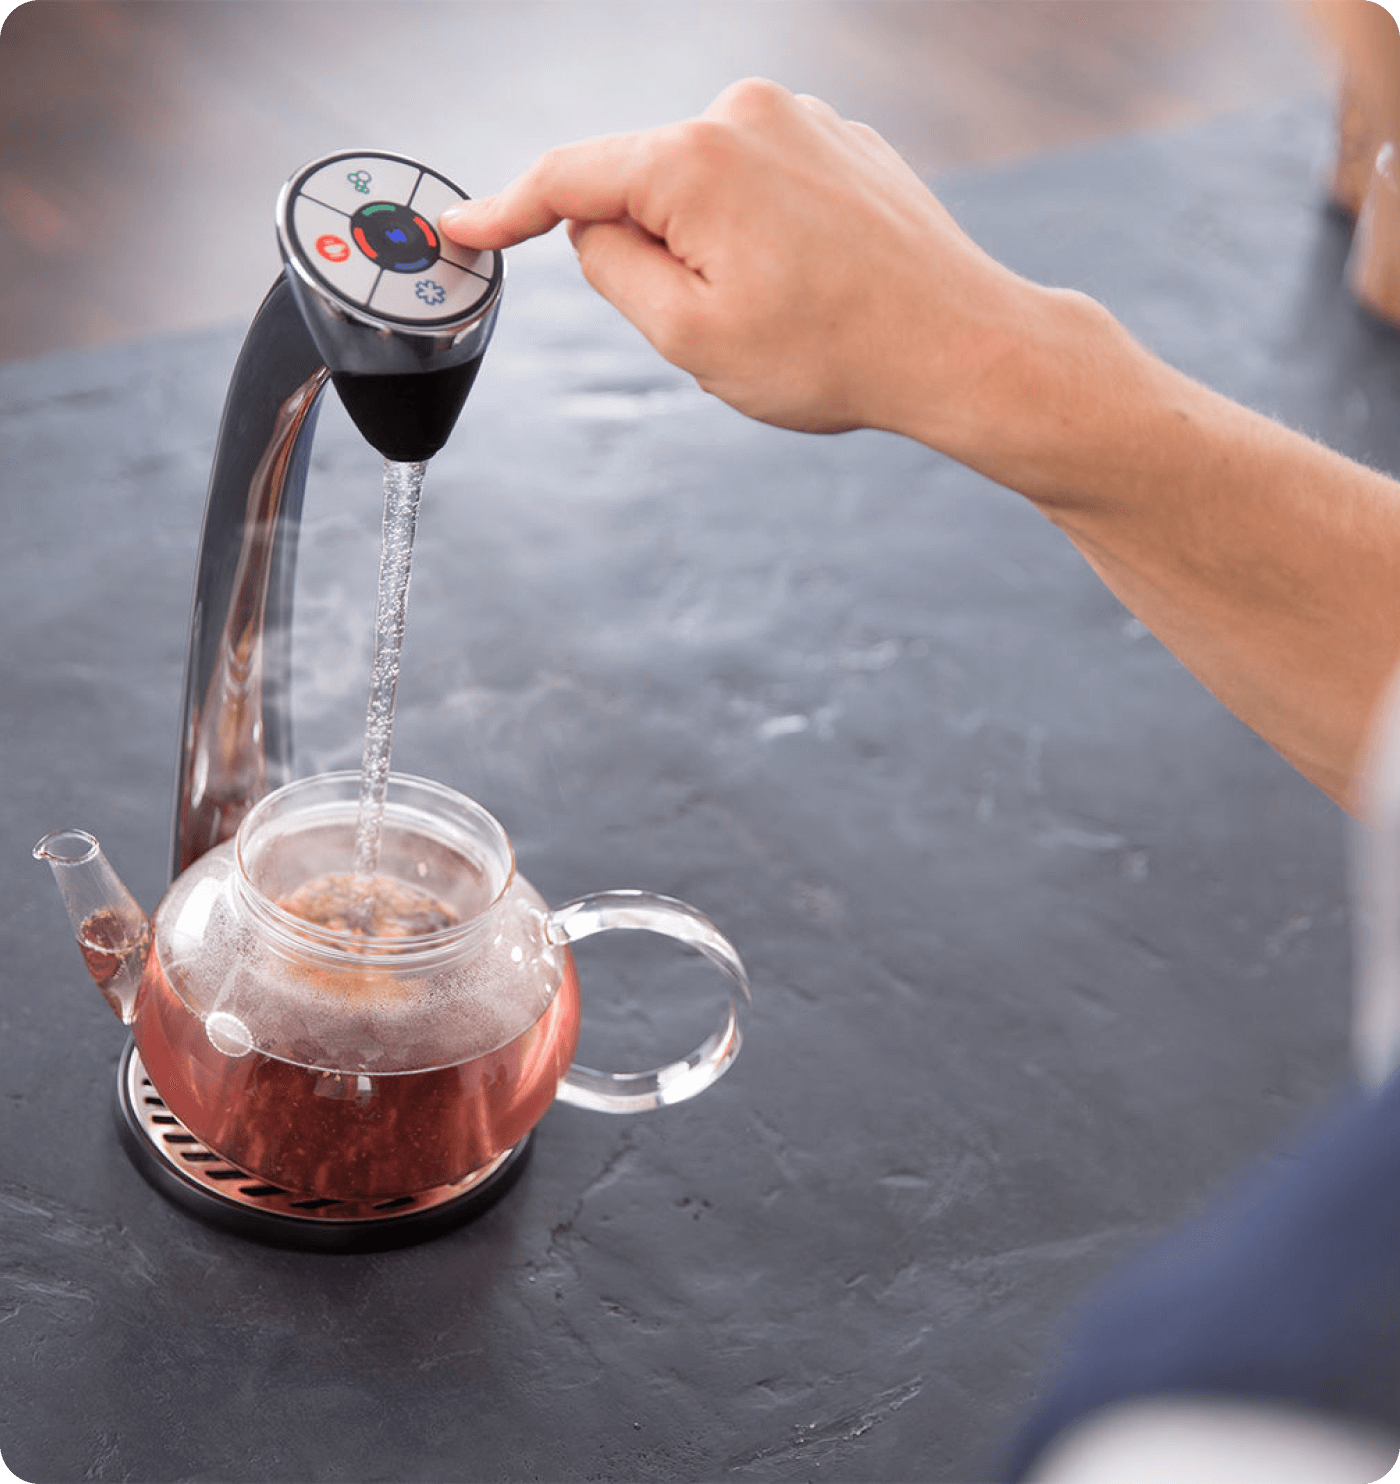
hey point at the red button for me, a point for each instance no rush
(334, 249)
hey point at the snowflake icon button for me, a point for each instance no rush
(430, 295)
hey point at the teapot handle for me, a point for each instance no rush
(635, 1092)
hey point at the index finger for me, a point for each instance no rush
(592, 180)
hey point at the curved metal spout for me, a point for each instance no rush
(236, 742)
(400, 322)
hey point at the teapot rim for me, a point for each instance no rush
(346, 945)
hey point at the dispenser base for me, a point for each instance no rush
(188, 1172)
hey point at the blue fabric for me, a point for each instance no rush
(1286, 1290)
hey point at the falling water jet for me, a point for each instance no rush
(403, 489)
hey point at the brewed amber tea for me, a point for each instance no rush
(346, 1135)
(114, 955)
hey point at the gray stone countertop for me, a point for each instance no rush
(1045, 944)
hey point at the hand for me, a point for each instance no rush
(788, 259)
(801, 271)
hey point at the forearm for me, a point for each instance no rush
(797, 267)
(1268, 564)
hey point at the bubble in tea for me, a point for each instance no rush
(382, 907)
(351, 1081)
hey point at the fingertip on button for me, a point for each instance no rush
(458, 218)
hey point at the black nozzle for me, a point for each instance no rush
(407, 416)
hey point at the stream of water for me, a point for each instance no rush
(403, 489)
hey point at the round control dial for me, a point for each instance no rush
(363, 225)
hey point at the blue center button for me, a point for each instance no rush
(394, 237)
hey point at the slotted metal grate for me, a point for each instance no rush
(194, 1163)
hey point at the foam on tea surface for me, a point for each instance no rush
(378, 908)
(454, 960)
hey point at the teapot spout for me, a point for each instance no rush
(113, 932)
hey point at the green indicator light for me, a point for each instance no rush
(378, 206)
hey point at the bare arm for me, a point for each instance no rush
(798, 269)
(1268, 564)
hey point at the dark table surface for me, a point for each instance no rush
(1044, 943)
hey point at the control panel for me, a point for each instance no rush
(364, 225)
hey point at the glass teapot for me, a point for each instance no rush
(348, 1045)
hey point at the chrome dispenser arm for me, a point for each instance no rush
(402, 319)
(236, 741)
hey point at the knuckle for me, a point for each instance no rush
(755, 100)
(697, 148)
(551, 166)
(699, 138)
(818, 106)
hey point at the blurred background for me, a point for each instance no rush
(142, 142)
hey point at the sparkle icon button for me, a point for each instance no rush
(348, 183)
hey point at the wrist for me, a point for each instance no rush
(1038, 392)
